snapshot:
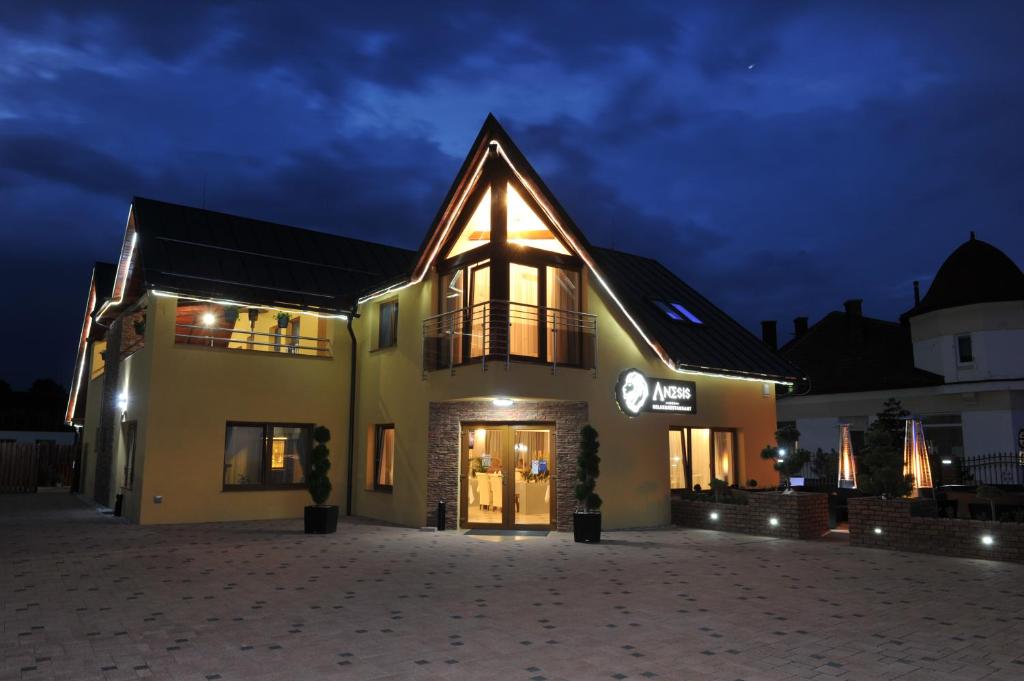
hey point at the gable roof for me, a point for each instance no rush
(845, 352)
(204, 253)
(718, 344)
(101, 287)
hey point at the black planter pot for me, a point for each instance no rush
(321, 519)
(586, 527)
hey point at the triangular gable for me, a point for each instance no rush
(493, 140)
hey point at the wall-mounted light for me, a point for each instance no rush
(773, 521)
(209, 319)
(987, 540)
(122, 401)
(947, 462)
(713, 515)
(502, 402)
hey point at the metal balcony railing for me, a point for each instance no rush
(500, 331)
(250, 339)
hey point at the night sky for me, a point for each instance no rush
(780, 157)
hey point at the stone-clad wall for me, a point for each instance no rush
(801, 515)
(944, 536)
(444, 443)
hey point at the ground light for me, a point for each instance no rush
(773, 521)
(502, 402)
(713, 515)
(987, 540)
(878, 530)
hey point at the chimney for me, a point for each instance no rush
(769, 335)
(855, 321)
(917, 293)
(799, 326)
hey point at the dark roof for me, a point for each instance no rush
(192, 251)
(719, 343)
(976, 272)
(846, 352)
(103, 274)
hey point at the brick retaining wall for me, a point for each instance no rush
(801, 515)
(943, 536)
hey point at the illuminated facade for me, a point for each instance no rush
(460, 372)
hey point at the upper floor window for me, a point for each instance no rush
(964, 351)
(387, 327)
(477, 231)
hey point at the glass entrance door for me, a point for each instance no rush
(507, 478)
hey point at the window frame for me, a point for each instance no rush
(265, 457)
(378, 442)
(393, 340)
(959, 349)
(712, 455)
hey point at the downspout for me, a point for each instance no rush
(351, 411)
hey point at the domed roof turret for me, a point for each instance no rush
(976, 272)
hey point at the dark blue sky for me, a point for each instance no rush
(779, 156)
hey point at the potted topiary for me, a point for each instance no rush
(586, 519)
(282, 320)
(320, 518)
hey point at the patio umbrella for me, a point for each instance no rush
(915, 456)
(847, 464)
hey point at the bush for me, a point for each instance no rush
(318, 484)
(882, 470)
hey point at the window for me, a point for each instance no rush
(526, 229)
(964, 351)
(676, 311)
(477, 231)
(387, 329)
(384, 458)
(128, 432)
(266, 455)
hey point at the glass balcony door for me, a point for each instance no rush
(524, 293)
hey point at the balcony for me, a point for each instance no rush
(497, 331)
(252, 330)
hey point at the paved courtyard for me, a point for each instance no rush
(85, 596)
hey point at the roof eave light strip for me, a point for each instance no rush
(235, 303)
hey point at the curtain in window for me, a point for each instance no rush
(290, 447)
(385, 457)
(479, 313)
(563, 324)
(725, 468)
(243, 455)
(677, 459)
(523, 288)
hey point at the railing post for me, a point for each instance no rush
(595, 347)
(554, 343)
(451, 344)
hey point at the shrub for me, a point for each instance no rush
(882, 472)
(588, 468)
(318, 483)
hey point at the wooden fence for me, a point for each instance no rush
(24, 466)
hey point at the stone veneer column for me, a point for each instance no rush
(109, 417)
(444, 445)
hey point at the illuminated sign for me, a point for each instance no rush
(636, 393)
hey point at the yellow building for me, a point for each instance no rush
(460, 372)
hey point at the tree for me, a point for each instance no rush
(882, 471)
(789, 459)
(318, 483)
(588, 468)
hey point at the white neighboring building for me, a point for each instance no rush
(57, 437)
(956, 359)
